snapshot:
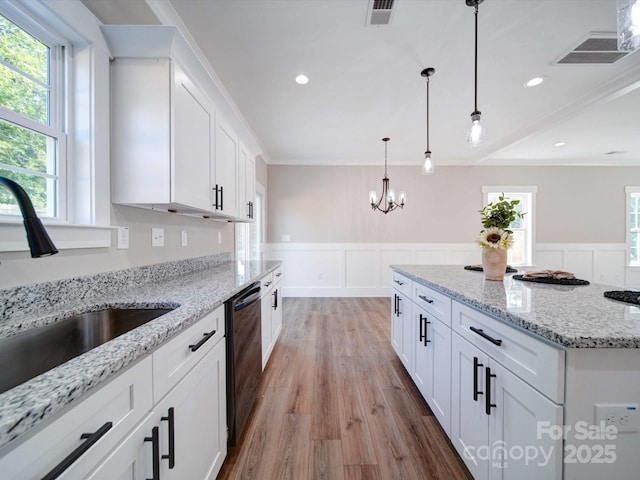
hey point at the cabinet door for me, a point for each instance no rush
(226, 169)
(408, 340)
(266, 314)
(193, 123)
(246, 184)
(199, 420)
(423, 353)
(469, 421)
(513, 429)
(438, 336)
(276, 313)
(396, 324)
(132, 460)
(250, 183)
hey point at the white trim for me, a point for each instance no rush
(362, 269)
(628, 191)
(64, 236)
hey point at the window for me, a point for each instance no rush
(250, 236)
(521, 253)
(633, 224)
(32, 141)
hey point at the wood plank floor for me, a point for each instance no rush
(336, 403)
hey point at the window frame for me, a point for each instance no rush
(530, 192)
(630, 191)
(86, 123)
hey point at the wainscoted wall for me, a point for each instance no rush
(362, 269)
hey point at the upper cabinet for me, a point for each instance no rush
(246, 184)
(170, 148)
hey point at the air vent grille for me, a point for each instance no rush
(380, 12)
(595, 50)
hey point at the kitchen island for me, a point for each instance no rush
(193, 289)
(513, 366)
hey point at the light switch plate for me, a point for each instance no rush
(157, 237)
(184, 239)
(122, 238)
(219, 237)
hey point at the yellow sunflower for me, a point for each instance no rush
(495, 237)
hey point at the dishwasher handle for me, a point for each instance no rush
(247, 299)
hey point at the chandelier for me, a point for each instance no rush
(386, 202)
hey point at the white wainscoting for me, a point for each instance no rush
(362, 269)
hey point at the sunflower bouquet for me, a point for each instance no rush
(496, 218)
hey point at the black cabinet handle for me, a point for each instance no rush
(424, 321)
(275, 299)
(206, 337)
(487, 398)
(267, 284)
(480, 332)
(425, 299)
(395, 304)
(399, 312)
(171, 456)
(215, 189)
(90, 439)
(221, 198)
(398, 282)
(278, 274)
(155, 446)
(476, 364)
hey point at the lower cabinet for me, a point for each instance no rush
(403, 332)
(271, 313)
(184, 437)
(496, 417)
(432, 366)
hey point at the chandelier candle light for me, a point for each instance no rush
(476, 133)
(386, 203)
(427, 167)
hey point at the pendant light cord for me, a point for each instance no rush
(385, 157)
(428, 114)
(476, 65)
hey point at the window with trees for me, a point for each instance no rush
(633, 224)
(32, 140)
(521, 253)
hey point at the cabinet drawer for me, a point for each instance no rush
(123, 402)
(433, 302)
(401, 283)
(537, 363)
(174, 359)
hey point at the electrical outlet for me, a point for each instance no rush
(184, 239)
(625, 417)
(286, 238)
(122, 238)
(157, 237)
(219, 237)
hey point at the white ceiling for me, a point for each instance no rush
(365, 82)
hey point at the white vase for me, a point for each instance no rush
(494, 263)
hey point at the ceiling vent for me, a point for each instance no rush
(380, 12)
(597, 49)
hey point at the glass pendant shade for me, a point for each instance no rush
(628, 25)
(427, 166)
(476, 132)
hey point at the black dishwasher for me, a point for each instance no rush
(244, 357)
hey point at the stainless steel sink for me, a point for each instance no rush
(27, 355)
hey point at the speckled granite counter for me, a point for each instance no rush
(571, 316)
(193, 287)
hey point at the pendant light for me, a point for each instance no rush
(628, 25)
(476, 133)
(387, 201)
(427, 166)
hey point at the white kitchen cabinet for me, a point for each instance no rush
(495, 420)
(185, 437)
(271, 312)
(108, 413)
(162, 137)
(402, 325)
(246, 184)
(225, 174)
(432, 366)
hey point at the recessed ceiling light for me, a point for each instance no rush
(302, 79)
(534, 82)
(559, 144)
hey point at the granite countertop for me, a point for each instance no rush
(570, 316)
(193, 294)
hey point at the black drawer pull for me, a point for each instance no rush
(267, 284)
(275, 300)
(480, 332)
(90, 439)
(398, 282)
(425, 299)
(487, 397)
(170, 418)
(155, 446)
(476, 364)
(278, 274)
(206, 337)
